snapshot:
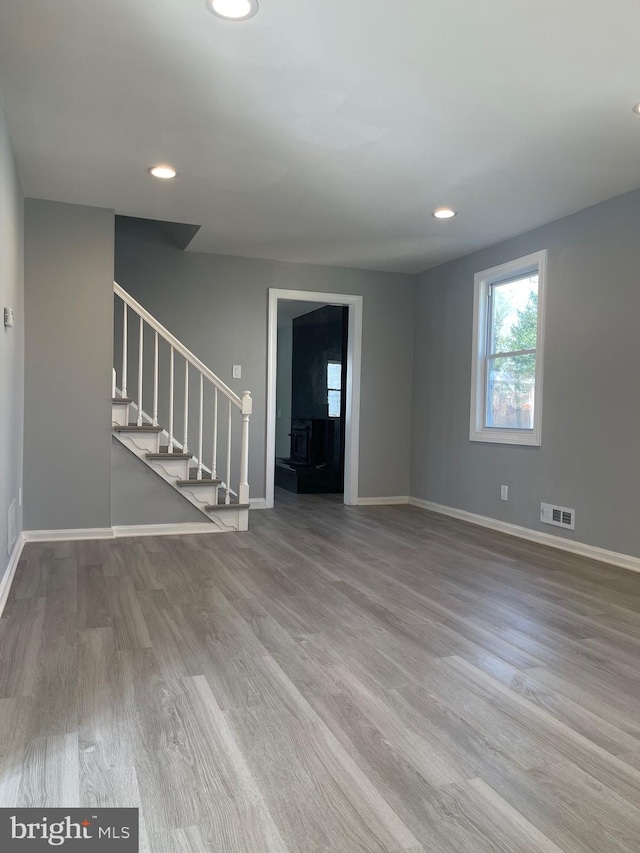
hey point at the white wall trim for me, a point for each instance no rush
(71, 534)
(180, 529)
(118, 531)
(592, 552)
(257, 503)
(354, 362)
(395, 500)
(10, 571)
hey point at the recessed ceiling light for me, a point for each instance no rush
(233, 10)
(636, 109)
(444, 213)
(163, 172)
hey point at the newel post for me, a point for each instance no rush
(243, 490)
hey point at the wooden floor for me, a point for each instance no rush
(338, 679)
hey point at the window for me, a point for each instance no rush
(508, 332)
(334, 388)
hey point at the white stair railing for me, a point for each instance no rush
(206, 378)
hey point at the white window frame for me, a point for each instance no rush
(483, 281)
(339, 390)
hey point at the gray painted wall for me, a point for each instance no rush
(139, 496)
(217, 305)
(590, 453)
(11, 340)
(69, 330)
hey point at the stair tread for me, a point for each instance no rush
(165, 455)
(205, 481)
(135, 427)
(212, 507)
(126, 400)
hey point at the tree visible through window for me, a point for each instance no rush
(334, 388)
(511, 373)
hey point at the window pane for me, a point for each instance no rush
(510, 392)
(334, 375)
(514, 315)
(333, 398)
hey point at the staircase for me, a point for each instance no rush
(214, 420)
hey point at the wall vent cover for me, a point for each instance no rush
(561, 516)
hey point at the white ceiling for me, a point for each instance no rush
(327, 131)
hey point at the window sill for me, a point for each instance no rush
(527, 438)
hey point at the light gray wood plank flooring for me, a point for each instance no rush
(338, 679)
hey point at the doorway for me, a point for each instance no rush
(310, 400)
(317, 441)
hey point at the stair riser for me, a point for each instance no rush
(178, 468)
(232, 519)
(120, 414)
(204, 495)
(147, 441)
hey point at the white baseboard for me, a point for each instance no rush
(592, 552)
(119, 531)
(10, 571)
(68, 535)
(181, 529)
(257, 503)
(394, 500)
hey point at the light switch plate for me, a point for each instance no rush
(9, 317)
(237, 371)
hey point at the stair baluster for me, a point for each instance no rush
(214, 464)
(227, 493)
(155, 380)
(140, 351)
(124, 350)
(185, 440)
(201, 417)
(171, 368)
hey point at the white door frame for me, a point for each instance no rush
(354, 361)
